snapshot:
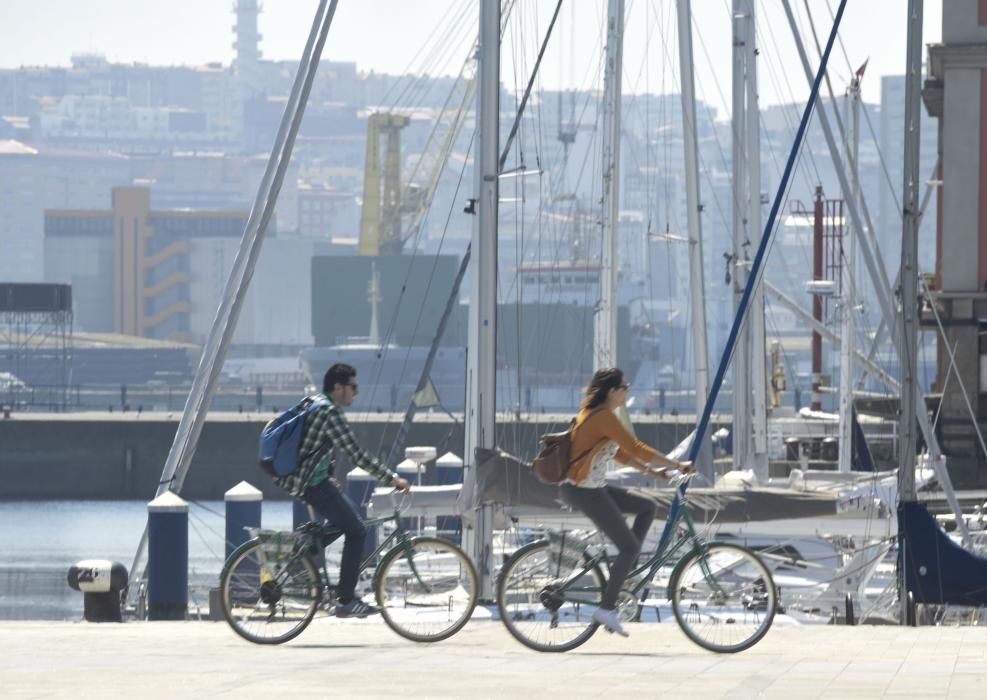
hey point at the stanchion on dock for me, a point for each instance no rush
(421, 456)
(167, 557)
(409, 470)
(359, 485)
(449, 470)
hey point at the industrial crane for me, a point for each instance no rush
(392, 212)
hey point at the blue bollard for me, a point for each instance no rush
(167, 557)
(449, 470)
(243, 506)
(243, 510)
(359, 485)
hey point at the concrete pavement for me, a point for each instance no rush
(344, 659)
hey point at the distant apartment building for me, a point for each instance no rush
(327, 213)
(34, 178)
(162, 273)
(207, 179)
(30, 91)
(118, 122)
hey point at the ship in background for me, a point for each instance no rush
(537, 371)
(549, 280)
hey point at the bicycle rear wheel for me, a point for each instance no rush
(723, 597)
(428, 592)
(268, 599)
(534, 609)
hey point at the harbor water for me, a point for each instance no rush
(39, 540)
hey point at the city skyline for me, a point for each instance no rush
(193, 138)
(122, 32)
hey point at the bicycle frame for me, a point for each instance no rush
(399, 537)
(666, 549)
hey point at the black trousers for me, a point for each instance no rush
(606, 507)
(338, 509)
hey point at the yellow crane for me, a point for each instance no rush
(394, 211)
(380, 221)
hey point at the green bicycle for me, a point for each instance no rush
(272, 585)
(722, 595)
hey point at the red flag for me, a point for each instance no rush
(860, 71)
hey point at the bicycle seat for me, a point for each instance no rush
(312, 527)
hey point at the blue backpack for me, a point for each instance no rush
(281, 439)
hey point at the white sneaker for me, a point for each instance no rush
(609, 619)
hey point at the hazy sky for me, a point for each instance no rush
(393, 36)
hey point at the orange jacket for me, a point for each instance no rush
(594, 431)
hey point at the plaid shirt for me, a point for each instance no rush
(326, 428)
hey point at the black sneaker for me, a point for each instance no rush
(356, 608)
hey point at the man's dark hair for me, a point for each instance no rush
(339, 373)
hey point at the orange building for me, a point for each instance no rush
(138, 262)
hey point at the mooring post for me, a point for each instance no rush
(167, 557)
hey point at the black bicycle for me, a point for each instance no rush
(273, 585)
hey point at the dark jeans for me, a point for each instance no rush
(338, 509)
(606, 508)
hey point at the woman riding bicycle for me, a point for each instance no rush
(598, 437)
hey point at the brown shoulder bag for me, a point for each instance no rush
(552, 463)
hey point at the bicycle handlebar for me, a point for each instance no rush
(677, 478)
(399, 499)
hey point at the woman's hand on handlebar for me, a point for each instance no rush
(671, 471)
(401, 485)
(658, 471)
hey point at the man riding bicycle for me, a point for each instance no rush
(326, 429)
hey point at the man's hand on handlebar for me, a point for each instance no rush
(401, 485)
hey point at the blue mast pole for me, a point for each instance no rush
(754, 277)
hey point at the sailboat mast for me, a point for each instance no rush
(908, 273)
(741, 355)
(605, 327)
(481, 387)
(697, 295)
(908, 276)
(221, 333)
(849, 264)
(758, 357)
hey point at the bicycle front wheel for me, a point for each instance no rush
(723, 597)
(545, 607)
(268, 599)
(426, 589)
